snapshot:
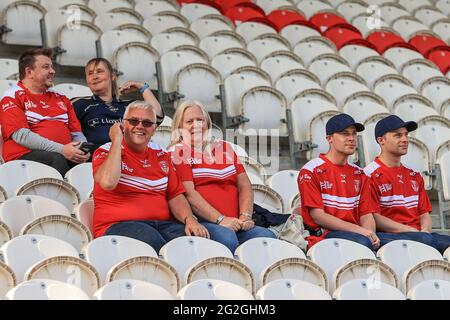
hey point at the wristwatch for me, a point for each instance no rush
(219, 219)
(144, 87)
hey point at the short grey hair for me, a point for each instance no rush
(139, 105)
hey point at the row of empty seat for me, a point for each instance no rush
(262, 267)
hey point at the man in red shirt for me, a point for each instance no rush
(136, 188)
(38, 124)
(334, 192)
(398, 191)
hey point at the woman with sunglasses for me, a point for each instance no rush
(217, 186)
(100, 111)
(137, 193)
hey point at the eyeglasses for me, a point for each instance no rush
(145, 123)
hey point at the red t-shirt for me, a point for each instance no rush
(50, 115)
(398, 193)
(215, 177)
(147, 182)
(340, 190)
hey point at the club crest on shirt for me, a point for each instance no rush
(145, 163)
(343, 178)
(164, 166)
(62, 106)
(357, 185)
(400, 178)
(415, 185)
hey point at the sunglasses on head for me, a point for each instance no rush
(145, 123)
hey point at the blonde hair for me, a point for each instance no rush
(139, 105)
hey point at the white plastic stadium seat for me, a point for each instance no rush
(260, 253)
(209, 289)
(78, 44)
(291, 289)
(265, 107)
(148, 269)
(295, 268)
(7, 279)
(354, 54)
(280, 62)
(401, 255)
(14, 174)
(408, 27)
(268, 198)
(85, 213)
(22, 252)
(144, 71)
(441, 27)
(117, 17)
(419, 71)
(23, 31)
(58, 4)
(226, 63)
(373, 68)
(430, 290)
(210, 24)
(107, 251)
(437, 90)
(285, 183)
(164, 42)
(150, 8)
(222, 268)
(5, 233)
(81, 177)
(6, 85)
(392, 87)
(66, 269)
(343, 251)
(312, 7)
(251, 30)
(399, 56)
(18, 211)
(194, 11)
(295, 33)
(52, 188)
(100, 6)
(129, 289)
(264, 45)
(72, 90)
(56, 18)
(8, 68)
(200, 82)
(295, 81)
(327, 65)
(184, 252)
(345, 84)
(46, 289)
(433, 136)
(359, 289)
(351, 9)
(214, 45)
(111, 40)
(444, 6)
(428, 16)
(427, 270)
(163, 21)
(61, 227)
(172, 62)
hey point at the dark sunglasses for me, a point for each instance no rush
(145, 123)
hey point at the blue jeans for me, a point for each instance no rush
(232, 239)
(352, 236)
(153, 232)
(438, 241)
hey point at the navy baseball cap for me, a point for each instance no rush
(340, 122)
(391, 123)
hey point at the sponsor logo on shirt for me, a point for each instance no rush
(164, 166)
(145, 163)
(44, 104)
(385, 187)
(96, 122)
(415, 186)
(8, 105)
(29, 105)
(62, 106)
(325, 185)
(126, 167)
(305, 178)
(357, 185)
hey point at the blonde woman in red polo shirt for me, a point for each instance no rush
(137, 193)
(216, 184)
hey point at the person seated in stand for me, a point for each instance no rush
(100, 111)
(137, 193)
(398, 191)
(217, 186)
(335, 193)
(37, 123)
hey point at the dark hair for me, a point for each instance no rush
(28, 59)
(96, 62)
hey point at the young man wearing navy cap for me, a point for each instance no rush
(398, 191)
(335, 194)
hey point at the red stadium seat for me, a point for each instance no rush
(345, 34)
(383, 40)
(426, 43)
(326, 20)
(441, 57)
(227, 4)
(205, 2)
(282, 18)
(244, 12)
